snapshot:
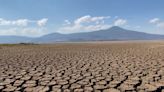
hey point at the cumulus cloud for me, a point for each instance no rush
(22, 22)
(154, 20)
(85, 24)
(19, 22)
(30, 31)
(88, 19)
(157, 22)
(4, 22)
(42, 22)
(120, 22)
(97, 27)
(21, 27)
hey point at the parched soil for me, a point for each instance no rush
(83, 67)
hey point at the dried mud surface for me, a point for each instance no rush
(83, 67)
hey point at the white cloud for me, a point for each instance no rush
(97, 27)
(120, 22)
(4, 22)
(154, 20)
(21, 22)
(85, 24)
(42, 22)
(21, 27)
(157, 22)
(88, 19)
(83, 19)
(32, 32)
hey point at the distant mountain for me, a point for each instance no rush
(113, 33)
(50, 38)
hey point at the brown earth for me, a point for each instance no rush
(83, 67)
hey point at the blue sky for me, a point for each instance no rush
(39, 17)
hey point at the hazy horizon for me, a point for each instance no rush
(76, 32)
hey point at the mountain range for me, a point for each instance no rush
(113, 33)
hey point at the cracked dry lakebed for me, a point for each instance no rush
(83, 67)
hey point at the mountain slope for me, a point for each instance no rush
(50, 38)
(113, 33)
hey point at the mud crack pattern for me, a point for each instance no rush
(83, 67)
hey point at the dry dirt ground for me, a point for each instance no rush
(83, 67)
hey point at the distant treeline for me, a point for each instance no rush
(27, 43)
(18, 44)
